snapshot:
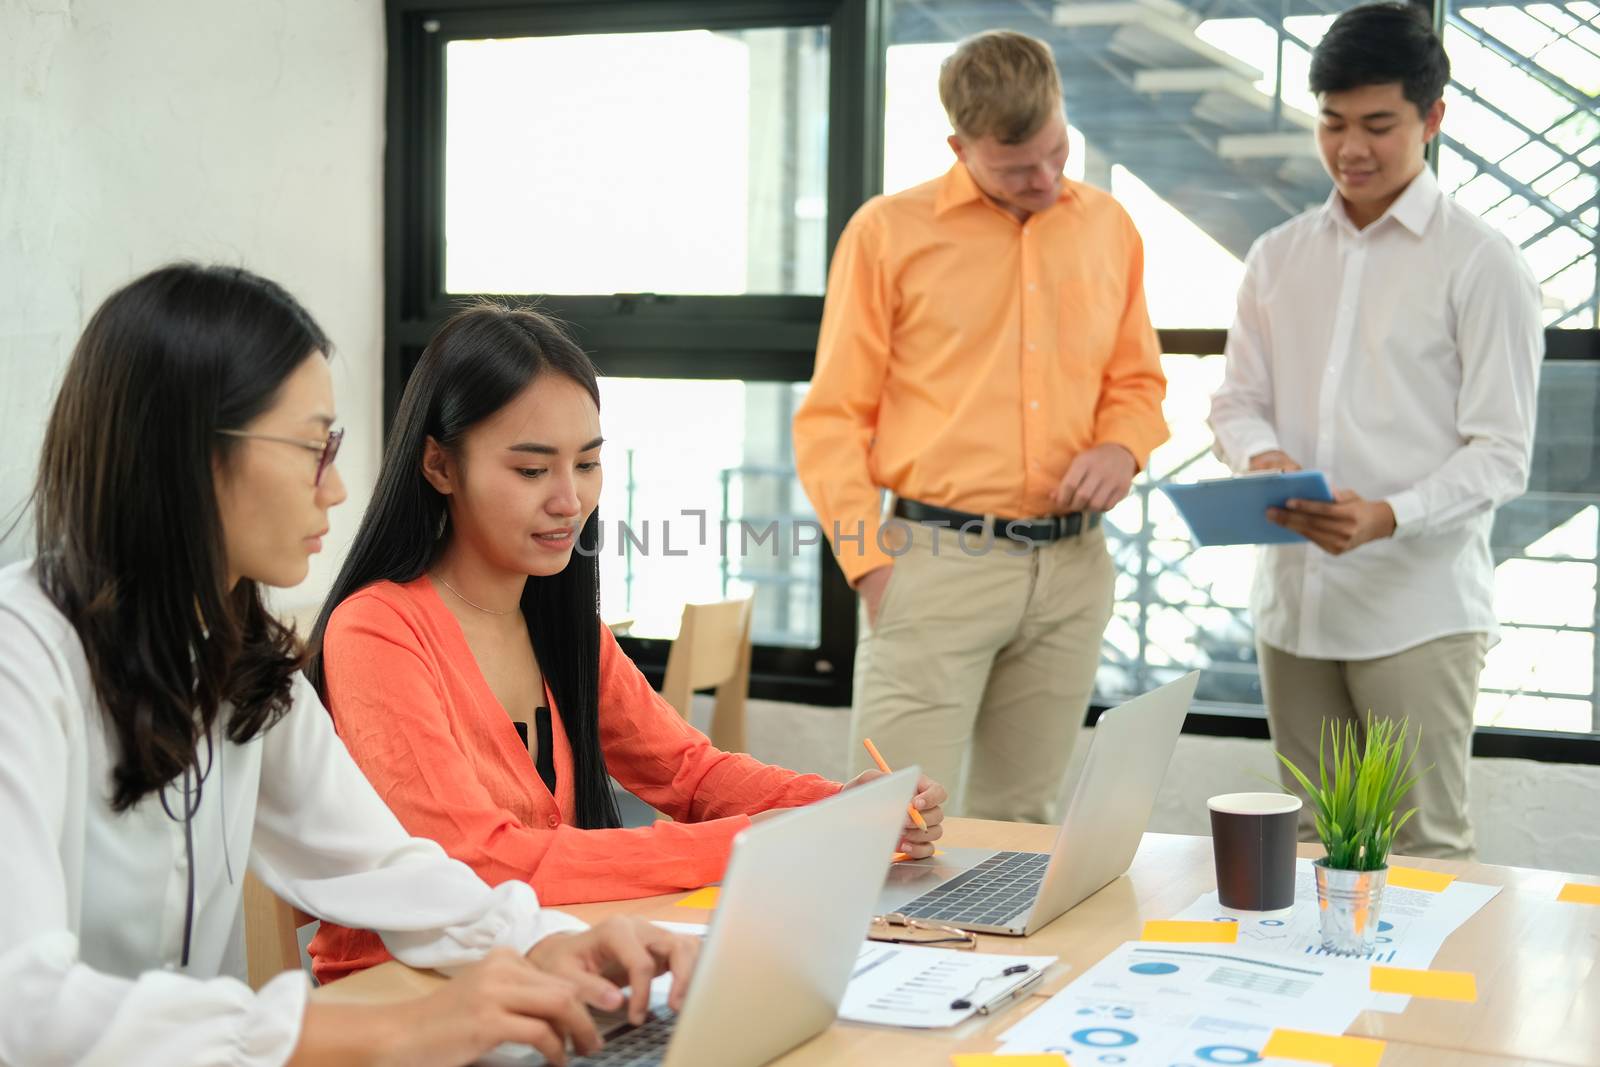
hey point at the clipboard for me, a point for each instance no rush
(1233, 511)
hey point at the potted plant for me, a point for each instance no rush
(1357, 815)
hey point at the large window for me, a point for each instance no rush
(701, 503)
(691, 161)
(669, 179)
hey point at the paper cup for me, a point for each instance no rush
(1253, 841)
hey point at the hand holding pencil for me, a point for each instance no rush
(925, 813)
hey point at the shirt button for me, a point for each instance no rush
(1032, 287)
(1034, 405)
(554, 821)
(1032, 347)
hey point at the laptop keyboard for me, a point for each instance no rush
(640, 1046)
(990, 894)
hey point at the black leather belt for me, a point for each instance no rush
(1026, 531)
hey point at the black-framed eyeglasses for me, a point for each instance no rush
(327, 450)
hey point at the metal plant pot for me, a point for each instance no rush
(1348, 903)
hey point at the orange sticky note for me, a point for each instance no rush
(1578, 893)
(701, 898)
(999, 1059)
(1333, 1049)
(1223, 933)
(1415, 878)
(1440, 985)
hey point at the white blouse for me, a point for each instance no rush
(92, 902)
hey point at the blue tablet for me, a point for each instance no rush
(1233, 511)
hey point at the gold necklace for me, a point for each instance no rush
(470, 604)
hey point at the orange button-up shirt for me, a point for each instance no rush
(966, 358)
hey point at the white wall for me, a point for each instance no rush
(135, 132)
(1526, 814)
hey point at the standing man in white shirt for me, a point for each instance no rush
(1392, 340)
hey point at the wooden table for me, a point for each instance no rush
(1537, 961)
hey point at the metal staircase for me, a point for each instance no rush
(1195, 124)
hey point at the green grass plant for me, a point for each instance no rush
(1361, 786)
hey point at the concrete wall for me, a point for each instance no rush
(239, 131)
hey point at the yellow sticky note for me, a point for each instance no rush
(1440, 985)
(1415, 878)
(701, 898)
(1578, 893)
(1333, 1049)
(998, 1059)
(1220, 933)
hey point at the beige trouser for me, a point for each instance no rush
(984, 664)
(1434, 685)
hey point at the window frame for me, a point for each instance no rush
(756, 337)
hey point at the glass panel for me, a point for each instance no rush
(714, 181)
(701, 503)
(1190, 608)
(1519, 129)
(1177, 111)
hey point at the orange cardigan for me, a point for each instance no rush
(416, 713)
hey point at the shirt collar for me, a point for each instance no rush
(1412, 209)
(957, 188)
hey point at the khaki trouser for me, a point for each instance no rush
(1434, 685)
(981, 666)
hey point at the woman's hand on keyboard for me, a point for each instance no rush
(620, 951)
(501, 999)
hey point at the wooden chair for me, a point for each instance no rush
(713, 649)
(271, 941)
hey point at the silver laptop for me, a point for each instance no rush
(794, 908)
(1019, 892)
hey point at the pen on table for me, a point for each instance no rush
(963, 1003)
(872, 750)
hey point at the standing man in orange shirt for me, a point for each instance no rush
(986, 356)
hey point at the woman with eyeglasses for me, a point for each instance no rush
(157, 738)
(462, 655)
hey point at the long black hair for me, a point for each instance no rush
(129, 536)
(476, 364)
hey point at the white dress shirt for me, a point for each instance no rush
(1402, 361)
(92, 901)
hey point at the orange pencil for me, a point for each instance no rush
(872, 750)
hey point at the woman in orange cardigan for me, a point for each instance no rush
(462, 656)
